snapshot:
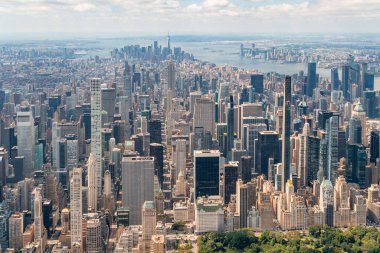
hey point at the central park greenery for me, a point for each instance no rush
(318, 239)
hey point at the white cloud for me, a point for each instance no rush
(202, 15)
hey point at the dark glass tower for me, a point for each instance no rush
(346, 87)
(257, 82)
(374, 146)
(311, 77)
(157, 151)
(206, 170)
(286, 132)
(267, 146)
(231, 175)
(230, 126)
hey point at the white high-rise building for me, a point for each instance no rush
(26, 141)
(96, 135)
(38, 219)
(16, 229)
(302, 155)
(76, 206)
(204, 115)
(138, 185)
(180, 156)
(92, 197)
(94, 236)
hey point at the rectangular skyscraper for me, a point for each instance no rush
(76, 207)
(138, 185)
(26, 141)
(286, 131)
(257, 82)
(96, 125)
(311, 78)
(346, 86)
(207, 164)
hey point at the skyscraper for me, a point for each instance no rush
(204, 115)
(207, 168)
(92, 196)
(76, 207)
(327, 201)
(335, 83)
(138, 185)
(332, 148)
(257, 82)
(148, 220)
(311, 78)
(171, 76)
(286, 131)
(346, 84)
(16, 229)
(26, 140)
(94, 236)
(38, 220)
(96, 136)
(230, 126)
(267, 146)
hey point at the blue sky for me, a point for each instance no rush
(134, 17)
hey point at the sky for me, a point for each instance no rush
(143, 17)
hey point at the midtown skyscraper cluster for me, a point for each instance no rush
(148, 148)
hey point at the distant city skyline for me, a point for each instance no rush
(146, 17)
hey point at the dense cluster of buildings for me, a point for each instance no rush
(147, 149)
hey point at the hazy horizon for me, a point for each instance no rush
(145, 17)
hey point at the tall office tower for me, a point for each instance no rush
(327, 201)
(154, 128)
(38, 220)
(207, 168)
(230, 176)
(108, 100)
(148, 220)
(127, 80)
(374, 146)
(370, 104)
(360, 113)
(311, 78)
(92, 196)
(369, 81)
(335, 83)
(171, 76)
(246, 165)
(257, 82)
(302, 155)
(363, 71)
(313, 144)
(16, 229)
(96, 135)
(157, 151)
(346, 84)
(76, 206)
(356, 164)
(94, 236)
(332, 148)
(204, 115)
(137, 184)
(355, 130)
(230, 125)
(267, 146)
(242, 202)
(4, 218)
(180, 155)
(286, 131)
(26, 141)
(342, 217)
